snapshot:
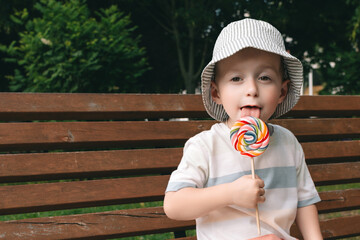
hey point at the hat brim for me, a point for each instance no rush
(292, 64)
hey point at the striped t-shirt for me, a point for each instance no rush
(209, 159)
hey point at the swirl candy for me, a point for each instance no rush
(250, 136)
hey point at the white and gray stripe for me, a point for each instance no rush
(256, 34)
(275, 177)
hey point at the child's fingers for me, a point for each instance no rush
(260, 181)
(261, 197)
(261, 192)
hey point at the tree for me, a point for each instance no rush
(179, 36)
(194, 25)
(187, 23)
(342, 77)
(66, 50)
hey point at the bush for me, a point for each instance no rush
(67, 50)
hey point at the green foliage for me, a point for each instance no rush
(67, 50)
(329, 33)
(355, 22)
(343, 77)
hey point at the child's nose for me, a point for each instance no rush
(251, 88)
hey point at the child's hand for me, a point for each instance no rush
(247, 192)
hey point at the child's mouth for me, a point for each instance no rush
(253, 111)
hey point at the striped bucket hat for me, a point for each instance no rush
(256, 34)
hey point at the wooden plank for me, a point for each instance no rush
(321, 129)
(97, 106)
(335, 228)
(339, 200)
(50, 166)
(335, 173)
(104, 225)
(135, 222)
(326, 106)
(340, 227)
(64, 195)
(72, 135)
(327, 151)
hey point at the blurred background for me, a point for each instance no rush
(161, 46)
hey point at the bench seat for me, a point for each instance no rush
(95, 166)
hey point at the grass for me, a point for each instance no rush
(338, 187)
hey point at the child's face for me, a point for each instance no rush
(249, 82)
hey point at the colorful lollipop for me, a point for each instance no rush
(250, 136)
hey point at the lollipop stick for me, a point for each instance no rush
(252, 168)
(257, 209)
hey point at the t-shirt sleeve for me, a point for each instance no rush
(193, 168)
(307, 193)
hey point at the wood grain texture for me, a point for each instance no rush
(322, 129)
(335, 173)
(50, 166)
(68, 195)
(132, 153)
(75, 135)
(326, 106)
(76, 194)
(86, 106)
(135, 222)
(335, 228)
(326, 151)
(72, 165)
(104, 225)
(339, 200)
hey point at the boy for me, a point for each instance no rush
(251, 74)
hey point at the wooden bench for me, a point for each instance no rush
(63, 154)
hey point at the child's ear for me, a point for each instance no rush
(215, 93)
(284, 90)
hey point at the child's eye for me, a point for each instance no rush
(236, 79)
(264, 78)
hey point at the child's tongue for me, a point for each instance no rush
(250, 111)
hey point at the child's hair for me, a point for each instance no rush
(260, 35)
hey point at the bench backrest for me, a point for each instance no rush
(109, 156)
